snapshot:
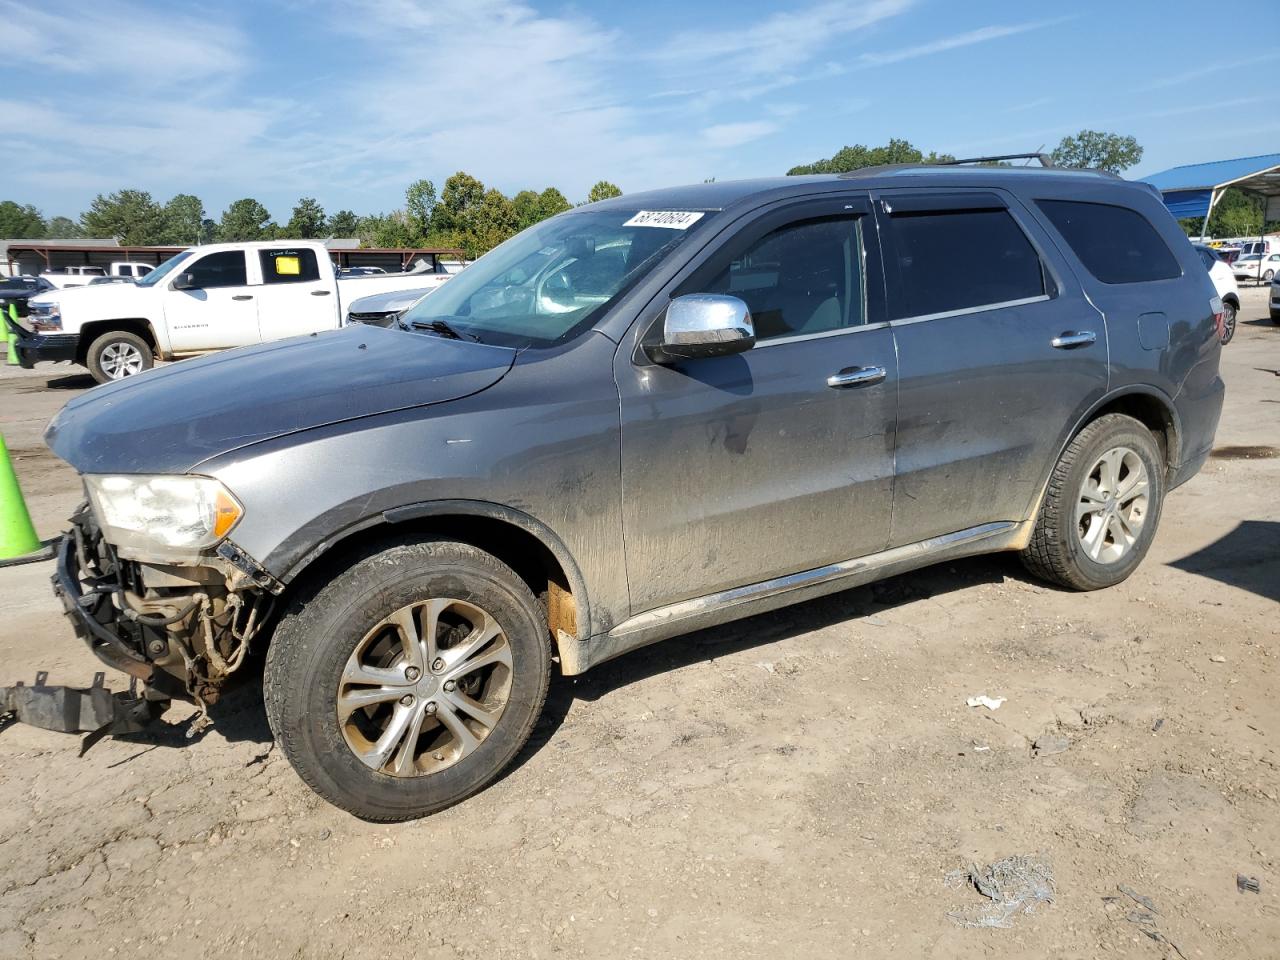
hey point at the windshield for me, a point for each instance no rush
(160, 272)
(552, 281)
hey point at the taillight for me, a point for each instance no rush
(1219, 316)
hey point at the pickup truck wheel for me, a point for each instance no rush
(118, 354)
(1101, 508)
(408, 681)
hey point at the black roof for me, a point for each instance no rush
(720, 195)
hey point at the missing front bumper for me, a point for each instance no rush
(94, 710)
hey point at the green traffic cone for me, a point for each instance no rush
(10, 337)
(17, 535)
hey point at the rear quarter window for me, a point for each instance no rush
(1115, 244)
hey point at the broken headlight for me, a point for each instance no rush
(162, 517)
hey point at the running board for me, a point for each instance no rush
(716, 608)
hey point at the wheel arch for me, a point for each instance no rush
(1149, 406)
(90, 332)
(528, 546)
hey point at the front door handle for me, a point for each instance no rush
(242, 296)
(856, 377)
(1068, 340)
(319, 293)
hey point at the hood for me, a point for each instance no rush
(392, 302)
(75, 297)
(171, 419)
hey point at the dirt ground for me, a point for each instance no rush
(798, 784)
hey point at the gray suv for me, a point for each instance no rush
(636, 419)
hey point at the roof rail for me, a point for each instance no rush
(1044, 158)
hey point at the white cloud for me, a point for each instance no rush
(725, 135)
(981, 35)
(120, 41)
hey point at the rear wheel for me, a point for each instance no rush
(1101, 508)
(118, 354)
(1267, 275)
(410, 680)
(1228, 321)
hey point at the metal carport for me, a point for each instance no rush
(1194, 190)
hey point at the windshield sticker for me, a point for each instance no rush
(289, 266)
(668, 219)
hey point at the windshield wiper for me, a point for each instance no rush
(442, 327)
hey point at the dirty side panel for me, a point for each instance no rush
(528, 443)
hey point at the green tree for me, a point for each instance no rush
(495, 221)
(184, 220)
(459, 202)
(344, 223)
(1236, 214)
(308, 221)
(419, 203)
(19, 222)
(1097, 150)
(63, 228)
(603, 190)
(246, 219)
(526, 207)
(858, 156)
(386, 230)
(531, 207)
(130, 216)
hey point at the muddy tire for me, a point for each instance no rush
(1101, 508)
(118, 354)
(409, 680)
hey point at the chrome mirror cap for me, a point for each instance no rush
(704, 325)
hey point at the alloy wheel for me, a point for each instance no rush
(425, 687)
(120, 360)
(1112, 506)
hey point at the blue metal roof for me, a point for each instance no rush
(1220, 173)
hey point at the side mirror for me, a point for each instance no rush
(703, 325)
(185, 281)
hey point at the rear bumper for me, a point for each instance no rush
(33, 348)
(1199, 417)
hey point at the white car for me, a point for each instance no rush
(200, 300)
(1255, 267)
(1224, 281)
(84, 275)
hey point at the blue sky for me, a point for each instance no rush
(350, 101)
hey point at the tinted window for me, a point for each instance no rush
(289, 265)
(224, 269)
(1116, 244)
(1207, 257)
(958, 259)
(803, 278)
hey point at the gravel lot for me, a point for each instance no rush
(798, 784)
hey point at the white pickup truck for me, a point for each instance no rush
(203, 299)
(83, 276)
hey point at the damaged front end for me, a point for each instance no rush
(183, 630)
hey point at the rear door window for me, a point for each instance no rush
(958, 259)
(289, 265)
(1115, 244)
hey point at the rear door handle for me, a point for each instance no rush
(242, 296)
(856, 377)
(1068, 340)
(319, 293)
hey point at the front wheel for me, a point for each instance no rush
(1267, 275)
(117, 354)
(1101, 507)
(1228, 321)
(410, 680)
